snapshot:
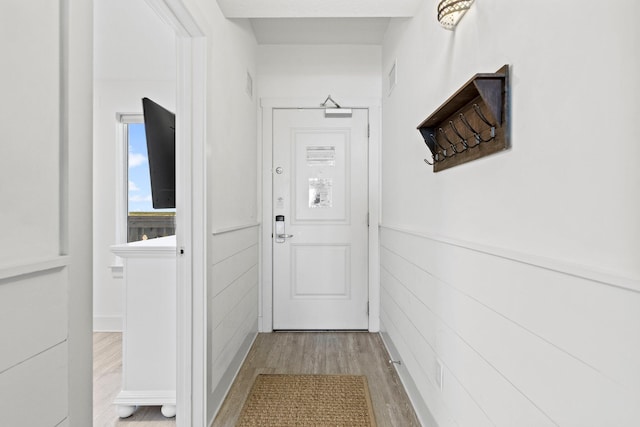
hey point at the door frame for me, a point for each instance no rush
(265, 176)
(191, 309)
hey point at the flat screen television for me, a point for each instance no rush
(160, 129)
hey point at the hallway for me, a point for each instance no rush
(357, 353)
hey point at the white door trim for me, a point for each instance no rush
(191, 211)
(265, 150)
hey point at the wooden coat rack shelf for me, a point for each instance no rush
(472, 123)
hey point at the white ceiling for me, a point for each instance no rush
(320, 30)
(318, 8)
(319, 21)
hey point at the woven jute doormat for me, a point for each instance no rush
(308, 400)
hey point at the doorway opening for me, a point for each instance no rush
(190, 90)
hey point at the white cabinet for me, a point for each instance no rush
(149, 326)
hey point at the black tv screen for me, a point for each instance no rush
(160, 129)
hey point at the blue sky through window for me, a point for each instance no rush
(139, 182)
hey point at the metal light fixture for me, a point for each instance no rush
(451, 11)
(336, 111)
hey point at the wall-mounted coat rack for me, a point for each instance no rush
(472, 123)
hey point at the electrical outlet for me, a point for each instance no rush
(439, 374)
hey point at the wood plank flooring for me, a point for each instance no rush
(107, 374)
(357, 353)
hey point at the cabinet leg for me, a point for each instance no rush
(125, 411)
(168, 410)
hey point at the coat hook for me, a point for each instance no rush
(476, 134)
(480, 114)
(463, 140)
(444, 150)
(451, 144)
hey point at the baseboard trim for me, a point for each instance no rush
(419, 406)
(107, 324)
(221, 391)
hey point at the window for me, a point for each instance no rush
(140, 221)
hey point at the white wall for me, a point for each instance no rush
(562, 83)
(135, 57)
(45, 170)
(232, 225)
(519, 271)
(315, 71)
(232, 202)
(232, 156)
(317, 8)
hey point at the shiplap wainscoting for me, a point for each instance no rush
(520, 343)
(46, 192)
(33, 327)
(232, 309)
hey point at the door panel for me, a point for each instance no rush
(320, 191)
(320, 271)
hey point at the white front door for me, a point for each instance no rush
(320, 213)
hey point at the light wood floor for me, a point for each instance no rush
(107, 374)
(356, 353)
